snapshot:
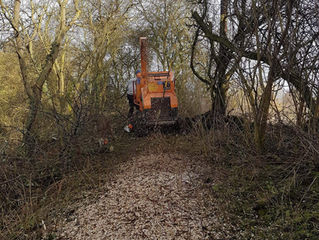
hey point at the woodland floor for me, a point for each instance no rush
(152, 196)
(166, 186)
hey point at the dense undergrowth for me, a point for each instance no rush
(35, 191)
(273, 195)
(36, 195)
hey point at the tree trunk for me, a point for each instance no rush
(219, 91)
(219, 96)
(262, 113)
(34, 91)
(29, 137)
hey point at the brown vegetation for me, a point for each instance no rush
(63, 71)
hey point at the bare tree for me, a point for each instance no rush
(34, 84)
(219, 56)
(278, 37)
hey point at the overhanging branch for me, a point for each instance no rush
(290, 76)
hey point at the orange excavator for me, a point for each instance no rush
(155, 95)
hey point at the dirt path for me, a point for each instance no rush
(152, 197)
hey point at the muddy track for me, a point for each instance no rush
(165, 196)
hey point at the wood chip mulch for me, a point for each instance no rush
(164, 196)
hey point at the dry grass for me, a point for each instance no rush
(33, 191)
(263, 195)
(274, 195)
